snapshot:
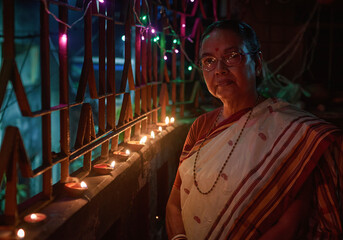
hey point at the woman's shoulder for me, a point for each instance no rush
(287, 112)
(202, 124)
(207, 117)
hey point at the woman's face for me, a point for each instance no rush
(229, 82)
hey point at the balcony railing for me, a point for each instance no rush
(151, 82)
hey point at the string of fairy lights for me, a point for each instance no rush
(176, 38)
(145, 24)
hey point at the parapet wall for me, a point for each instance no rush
(129, 203)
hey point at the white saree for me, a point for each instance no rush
(268, 143)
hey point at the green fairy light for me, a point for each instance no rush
(190, 68)
(175, 41)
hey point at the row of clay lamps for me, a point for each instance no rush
(75, 189)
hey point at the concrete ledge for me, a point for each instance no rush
(129, 203)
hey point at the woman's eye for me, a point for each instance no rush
(209, 61)
(232, 58)
(233, 55)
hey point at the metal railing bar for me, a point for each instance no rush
(107, 136)
(97, 142)
(93, 144)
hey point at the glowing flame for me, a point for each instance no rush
(157, 217)
(33, 216)
(21, 233)
(143, 140)
(172, 120)
(83, 184)
(167, 120)
(113, 163)
(160, 128)
(152, 134)
(127, 152)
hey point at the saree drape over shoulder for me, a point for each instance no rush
(278, 150)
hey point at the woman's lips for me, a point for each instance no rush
(224, 82)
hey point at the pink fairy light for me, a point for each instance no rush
(64, 39)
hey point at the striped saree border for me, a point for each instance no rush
(271, 201)
(300, 121)
(254, 170)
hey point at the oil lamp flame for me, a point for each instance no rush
(167, 120)
(143, 140)
(21, 233)
(83, 184)
(160, 128)
(33, 216)
(152, 134)
(113, 163)
(127, 152)
(172, 120)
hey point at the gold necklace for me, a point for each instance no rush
(228, 157)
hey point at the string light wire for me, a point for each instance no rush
(62, 22)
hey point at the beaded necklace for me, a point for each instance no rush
(228, 157)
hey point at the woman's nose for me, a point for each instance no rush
(221, 68)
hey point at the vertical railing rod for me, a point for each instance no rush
(64, 92)
(102, 80)
(46, 119)
(111, 87)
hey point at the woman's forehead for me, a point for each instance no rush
(221, 40)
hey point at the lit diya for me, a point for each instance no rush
(152, 135)
(35, 218)
(20, 233)
(75, 189)
(165, 124)
(104, 168)
(122, 155)
(137, 145)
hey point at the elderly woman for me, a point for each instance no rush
(254, 168)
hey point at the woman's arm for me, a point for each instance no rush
(288, 226)
(174, 222)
